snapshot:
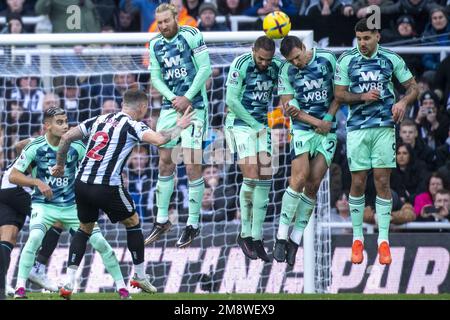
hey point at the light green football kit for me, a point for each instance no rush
(370, 126)
(312, 88)
(41, 156)
(180, 67)
(249, 94)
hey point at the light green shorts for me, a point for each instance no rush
(308, 141)
(371, 148)
(193, 136)
(246, 141)
(47, 215)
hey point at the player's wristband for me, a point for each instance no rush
(328, 117)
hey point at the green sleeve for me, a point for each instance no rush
(156, 75)
(81, 149)
(201, 58)
(401, 71)
(333, 61)
(26, 157)
(284, 86)
(341, 75)
(234, 89)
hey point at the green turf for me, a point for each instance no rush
(191, 296)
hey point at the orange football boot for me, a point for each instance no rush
(384, 253)
(357, 252)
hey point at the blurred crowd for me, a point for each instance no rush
(419, 183)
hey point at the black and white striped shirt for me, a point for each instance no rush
(111, 140)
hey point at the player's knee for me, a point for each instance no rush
(193, 172)
(131, 221)
(99, 243)
(298, 182)
(35, 239)
(382, 182)
(358, 183)
(166, 169)
(312, 187)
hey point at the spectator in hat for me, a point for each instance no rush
(403, 30)
(432, 123)
(208, 12)
(403, 33)
(437, 33)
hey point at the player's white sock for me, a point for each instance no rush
(139, 269)
(195, 225)
(296, 236)
(381, 240)
(72, 275)
(162, 219)
(283, 230)
(120, 284)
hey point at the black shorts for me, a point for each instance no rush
(15, 205)
(115, 201)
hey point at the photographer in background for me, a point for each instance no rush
(432, 124)
(439, 211)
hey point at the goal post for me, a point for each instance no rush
(51, 56)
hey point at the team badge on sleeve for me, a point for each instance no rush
(234, 77)
(21, 161)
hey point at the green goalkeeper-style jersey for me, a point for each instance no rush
(362, 74)
(311, 86)
(41, 156)
(180, 67)
(249, 91)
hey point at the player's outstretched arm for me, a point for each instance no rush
(162, 137)
(18, 178)
(63, 147)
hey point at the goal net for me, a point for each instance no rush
(87, 75)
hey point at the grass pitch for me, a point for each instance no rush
(263, 296)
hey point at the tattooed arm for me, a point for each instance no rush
(412, 91)
(63, 147)
(162, 137)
